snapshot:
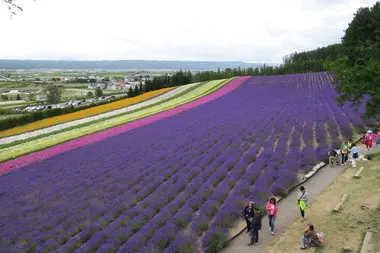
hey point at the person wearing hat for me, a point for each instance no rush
(368, 140)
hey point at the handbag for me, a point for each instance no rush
(364, 141)
(298, 201)
(302, 205)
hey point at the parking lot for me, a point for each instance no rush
(71, 103)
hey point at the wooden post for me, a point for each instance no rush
(311, 250)
(366, 241)
(357, 174)
(340, 203)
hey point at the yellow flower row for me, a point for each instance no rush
(81, 114)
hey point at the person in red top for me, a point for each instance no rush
(368, 140)
(272, 213)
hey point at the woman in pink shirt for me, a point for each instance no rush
(272, 213)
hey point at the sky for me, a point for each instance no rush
(212, 30)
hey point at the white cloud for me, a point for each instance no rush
(249, 30)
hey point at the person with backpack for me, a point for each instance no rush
(248, 214)
(272, 213)
(311, 238)
(344, 151)
(302, 200)
(332, 158)
(255, 227)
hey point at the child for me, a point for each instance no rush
(255, 227)
(378, 139)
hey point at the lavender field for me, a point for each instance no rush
(171, 185)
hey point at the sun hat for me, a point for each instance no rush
(369, 131)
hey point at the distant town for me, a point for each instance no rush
(28, 84)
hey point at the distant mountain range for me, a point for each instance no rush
(123, 64)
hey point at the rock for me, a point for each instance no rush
(347, 248)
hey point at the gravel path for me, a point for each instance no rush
(288, 211)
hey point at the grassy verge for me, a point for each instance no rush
(82, 132)
(360, 213)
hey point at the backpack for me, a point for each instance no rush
(321, 237)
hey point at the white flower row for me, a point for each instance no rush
(38, 132)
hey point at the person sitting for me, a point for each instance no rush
(310, 238)
(332, 158)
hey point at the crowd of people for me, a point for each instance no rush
(253, 218)
(348, 152)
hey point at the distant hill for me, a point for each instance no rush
(123, 64)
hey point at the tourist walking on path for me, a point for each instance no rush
(249, 214)
(255, 227)
(302, 200)
(272, 213)
(344, 152)
(368, 138)
(355, 155)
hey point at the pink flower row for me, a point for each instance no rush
(19, 162)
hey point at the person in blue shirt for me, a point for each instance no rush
(355, 155)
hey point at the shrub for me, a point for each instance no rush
(214, 240)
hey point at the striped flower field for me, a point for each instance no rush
(40, 139)
(169, 182)
(81, 114)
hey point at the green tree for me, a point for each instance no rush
(18, 97)
(358, 70)
(53, 94)
(4, 97)
(130, 92)
(90, 94)
(98, 92)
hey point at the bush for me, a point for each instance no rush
(214, 241)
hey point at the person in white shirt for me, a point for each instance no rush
(304, 196)
(355, 155)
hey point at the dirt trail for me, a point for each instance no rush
(288, 209)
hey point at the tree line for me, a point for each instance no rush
(355, 63)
